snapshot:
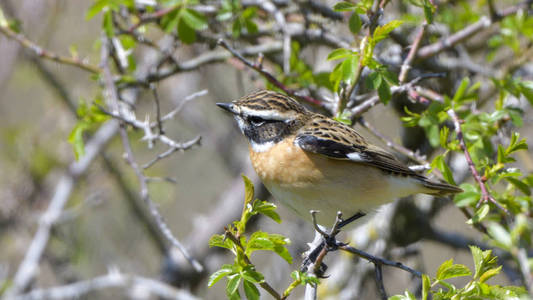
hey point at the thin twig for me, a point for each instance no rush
(462, 35)
(177, 147)
(157, 109)
(150, 137)
(406, 66)
(41, 52)
(485, 194)
(362, 108)
(380, 261)
(268, 76)
(420, 159)
(151, 17)
(29, 266)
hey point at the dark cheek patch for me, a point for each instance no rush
(272, 131)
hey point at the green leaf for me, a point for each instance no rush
(373, 80)
(339, 54)
(266, 208)
(467, 198)
(233, 284)
(186, 33)
(304, 278)
(429, 9)
(349, 67)
(76, 138)
(449, 270)
(500, 235)
(251, 275)
(218, 240)
(478, 257)
(354, 23)
(251, 291)
(223, 272)
(523, 187)
(480, 214)
(343, 6)
(490, 273)
(426, 286)
(384, 92)
(516, 144)
(194, 19)
(461, 90)
(96, 8)
(382, 32)
(236, 28)
(443, 167)
(251, 27)
(108, 24)
(389, 76)
(248, 190)
(526, 88)
(270, 242)
(170, 21)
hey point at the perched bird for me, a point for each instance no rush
(310, 162)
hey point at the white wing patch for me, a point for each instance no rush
(355, 156)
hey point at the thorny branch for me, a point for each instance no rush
(485, 194)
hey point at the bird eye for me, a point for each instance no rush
(256, 121)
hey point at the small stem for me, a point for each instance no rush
(268, 76)
(267, 287)
(485, 194)
(40, 52)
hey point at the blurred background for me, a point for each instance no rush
(105, 225)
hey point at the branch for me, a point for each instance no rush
(268, 76)
(331, 244)
(111, 280)
(111, 94)
(420, 159)
(40, 52)
(458, 37)
(30, 264)
(362, 108)
(485, 195)
(406, 66)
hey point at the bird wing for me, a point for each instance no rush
(338, 141)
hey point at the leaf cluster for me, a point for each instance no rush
(485, 267)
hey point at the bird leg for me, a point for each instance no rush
(324, 242)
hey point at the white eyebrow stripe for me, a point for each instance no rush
(266, 114)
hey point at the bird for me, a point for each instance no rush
(310, 162)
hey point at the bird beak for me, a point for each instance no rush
(228, 106)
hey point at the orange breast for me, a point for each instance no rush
(285, 163)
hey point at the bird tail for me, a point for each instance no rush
(440, 188)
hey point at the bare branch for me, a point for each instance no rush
(113, 279)
(462, 35)
(485, 194)
(30, 264)
(111, 93)
(268, 76)
(40, 52)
